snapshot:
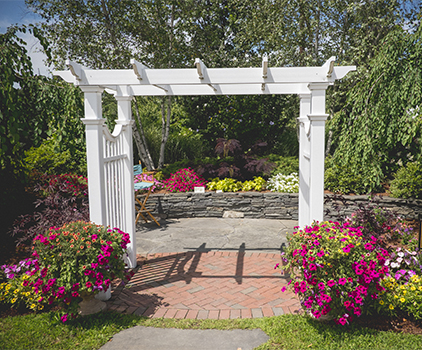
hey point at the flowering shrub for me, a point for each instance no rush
(336, 271)
(284, 183)
(183, 180)
(18, 289)
(76, 259)
(146, 177)
(403, 283)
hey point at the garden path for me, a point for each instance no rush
(208, 268)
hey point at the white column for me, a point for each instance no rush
(304, 158)
(317, 120)
(124, 111)
(94, 151)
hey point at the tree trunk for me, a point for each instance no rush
(140, 140)
(164, 129)
(166, 121)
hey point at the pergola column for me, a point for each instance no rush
(94, 150)
(124, 112)
(317, 119)
(304, 159)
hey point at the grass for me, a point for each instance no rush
(42, 331)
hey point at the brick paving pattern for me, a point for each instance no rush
(209, 285)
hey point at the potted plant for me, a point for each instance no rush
(76, 261)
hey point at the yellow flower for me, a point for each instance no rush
(391, 307)
(40, 307)
(381, 302)
(404, 292)
(25, 277)
(8, 287)
(396, 296)
(16, 291)
(13, 300)
(420, 288)
(412, 288)
(33, 306)
(402, 300)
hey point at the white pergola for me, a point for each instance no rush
(110, 155)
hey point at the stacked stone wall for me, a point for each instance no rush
(266, 205)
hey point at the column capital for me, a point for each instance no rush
(89, 121)
(318, 86)
(91, 88)
(318, 117)
(123, 98)
(305, 95)
(124, 122)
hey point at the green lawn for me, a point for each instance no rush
(286, 332)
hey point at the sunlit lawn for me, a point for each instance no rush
(42, 331)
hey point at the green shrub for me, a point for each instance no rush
(345, 180)
(284, 165)
(407, 182)
(49, 159)
(183, 145)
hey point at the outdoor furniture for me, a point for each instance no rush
(142, 198)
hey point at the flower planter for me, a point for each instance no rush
(90, 305)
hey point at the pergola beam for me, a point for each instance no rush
(194, 78)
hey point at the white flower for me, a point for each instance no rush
(387, 262)
(401, 254)
(399, 260)
(394, 265)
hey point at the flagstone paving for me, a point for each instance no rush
(206, 285)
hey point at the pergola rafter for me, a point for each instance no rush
(110, 156)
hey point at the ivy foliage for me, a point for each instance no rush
(379, 128)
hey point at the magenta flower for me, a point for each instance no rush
(342, 321)
(342, 281)
(331, 283)
(321, 286)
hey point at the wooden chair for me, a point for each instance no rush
(146, 186)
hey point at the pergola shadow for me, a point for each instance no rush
(173, 268)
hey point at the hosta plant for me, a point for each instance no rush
(335, 270)
(284, 183)
(232, 185)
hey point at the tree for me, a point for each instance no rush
(32, 108)
(108, 33)
(379, 129)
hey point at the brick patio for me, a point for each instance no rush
(206, 285)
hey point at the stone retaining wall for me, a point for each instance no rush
(268, 205)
